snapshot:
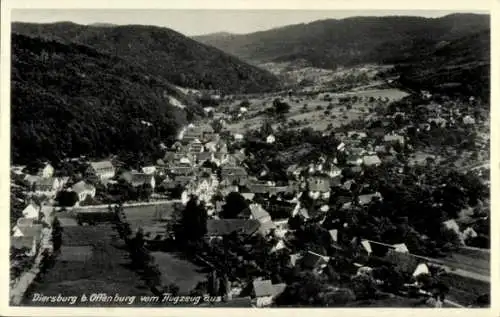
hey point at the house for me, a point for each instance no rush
(280, 227)
(371, 160)
(452, 225)
(139, 179)
(83, 190)
(469, 233)
(439, 122)
(469, 120)
(315, 262)
(29, 243)
(258, 213)
(319, 186)
(356, 134)
(24, 234)
(400, 247)
(294, 259)
(238, 137)
(355, 160)
(270, 139)
(233, 175)
(182, 170)
(46, 171)
(366, 247)
(280, 245)
(264, 292)
(149, 169)
(47, 186)
(217, 228)
(368, 198)
(203, 157)
(31, 212)
(392, 138)
(334, 236)
(195, 146)
(422, 268)
(101, 169)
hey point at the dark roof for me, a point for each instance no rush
(75, 253)
(238, 171)
(263, 288)
(21, 242)
(219, 227)
(313, 260)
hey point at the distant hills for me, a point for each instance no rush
(453, 48)
(69, 100)
(330, 43)
(161, 52)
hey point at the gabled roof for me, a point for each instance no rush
(334, 234)
(278, 289)
(220, 227)
(22, 242)
(101, 165)
(366, 199)
(263, 288)
(371, 160)
(258, 212)
(314, 260)
(82, 186)
(31, 231)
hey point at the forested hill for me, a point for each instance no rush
(330, 43)
(70, 100)
(162, 52)
(460, 66)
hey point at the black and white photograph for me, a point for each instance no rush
(217, 158)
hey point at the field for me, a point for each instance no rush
(475, 261)
(176, 270)
(314, 116)
(464, 290)
(103, 271)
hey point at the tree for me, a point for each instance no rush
(235, 204)
(57, 230)
(193, 225)
(66, 198)
(364, 287)
(280, 107)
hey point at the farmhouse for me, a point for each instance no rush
(83, 190)
(47, 186)
(371, 160)
(264, 292)
(46, 171)
(315, 262)
(31, 212)
(101, 169)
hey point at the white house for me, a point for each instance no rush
(238, 136)
(46, 171)
(366, 246)
(102, 169)
(270, 139)
(401, 247)
(469, 120)
(421, 269)
(264, 292)
(149, 169)
(31, 212)
(452, 225)
(83, 190)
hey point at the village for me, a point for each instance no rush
(252, 202)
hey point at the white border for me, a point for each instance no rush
(456, 5)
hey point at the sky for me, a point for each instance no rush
(199, 22)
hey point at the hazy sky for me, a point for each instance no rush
(197, 22)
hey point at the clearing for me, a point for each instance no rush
(181, 272)
(104, 269)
